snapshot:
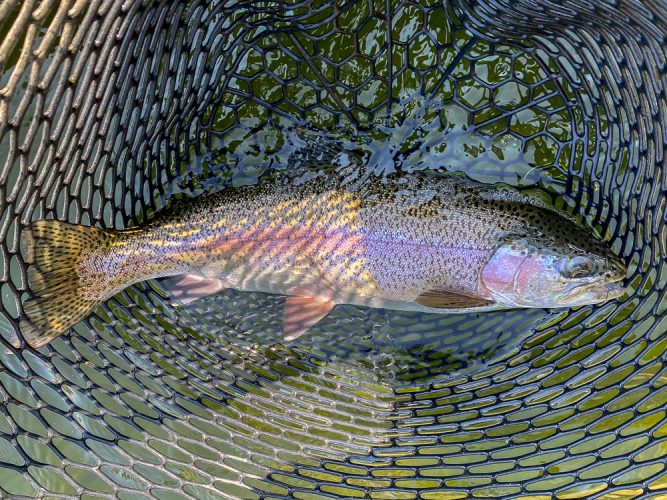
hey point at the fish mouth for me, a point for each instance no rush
(617, 269)
(614, 290)
(594, 293)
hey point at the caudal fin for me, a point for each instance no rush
(56, 303)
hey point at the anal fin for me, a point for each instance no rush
(186, 288)
(446, 299)
(301, 313)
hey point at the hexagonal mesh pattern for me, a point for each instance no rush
(108, 108)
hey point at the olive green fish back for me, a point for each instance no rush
(108, 109)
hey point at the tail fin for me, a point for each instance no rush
(54, 248)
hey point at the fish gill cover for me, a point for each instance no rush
(109, 109)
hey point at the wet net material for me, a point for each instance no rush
(109, 108)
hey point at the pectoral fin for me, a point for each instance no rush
(445, 299)
(186, 288)
(303, 312)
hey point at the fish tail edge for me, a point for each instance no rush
(56, 302)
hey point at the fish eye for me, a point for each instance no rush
(579, 267)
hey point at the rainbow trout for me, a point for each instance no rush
(422, 242)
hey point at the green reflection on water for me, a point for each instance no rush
(430, 97)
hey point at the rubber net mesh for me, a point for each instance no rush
(109, 108)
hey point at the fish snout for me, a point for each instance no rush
(614, 290)
(616, 269)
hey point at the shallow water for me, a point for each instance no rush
(206, 401)
(497, 113)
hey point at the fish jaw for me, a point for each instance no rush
(615, 290)
(593, 294)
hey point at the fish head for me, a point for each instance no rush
(543, 272)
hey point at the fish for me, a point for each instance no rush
(415, 242)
